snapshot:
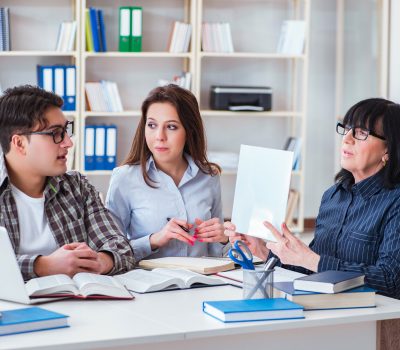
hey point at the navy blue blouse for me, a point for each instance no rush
(358, 229)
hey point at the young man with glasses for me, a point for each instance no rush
(55, 219)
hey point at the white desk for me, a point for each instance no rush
(174, 320)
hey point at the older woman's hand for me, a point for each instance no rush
(291, 250)
(257, 246)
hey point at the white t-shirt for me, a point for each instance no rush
(35, 234)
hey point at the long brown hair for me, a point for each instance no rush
(188, 111)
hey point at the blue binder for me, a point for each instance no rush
(90, 144)
(100, 148)
(70, 88)
(111, 147)
(94, 24)
(45, 77)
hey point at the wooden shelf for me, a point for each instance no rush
(117, 54)
(265, 114)
(263, 55)
(124, 114)
(38, 53)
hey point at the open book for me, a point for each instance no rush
(205, 266)
(82, 285)
(143, 281)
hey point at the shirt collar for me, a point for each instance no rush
(3, 169)
(192, 169)
(367, 187)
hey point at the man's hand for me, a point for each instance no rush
(71, 259)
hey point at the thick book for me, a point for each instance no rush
(329, 281)
(358, 297)
(82, 286)
(205, 266)
(253, 310)
(30, 319)
(144, 281)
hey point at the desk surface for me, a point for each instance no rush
(169, 316)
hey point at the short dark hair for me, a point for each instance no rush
(366, 114)
(188, 111)
(22, 108)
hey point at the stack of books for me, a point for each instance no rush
(216, 37)
(95, 30)
(103, 96)
(180, 37)
(292, 38)
(228, 161)
(5, 43)
(66, 36)
(328, 290)
(183, 80)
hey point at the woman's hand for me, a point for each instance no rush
(291, 250)
(172, 230)
(257, 245)
(210, 231)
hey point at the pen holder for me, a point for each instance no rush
(258, 284)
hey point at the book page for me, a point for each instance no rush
(190, 277)
(92, 284)
(55, 284)
(143, 281)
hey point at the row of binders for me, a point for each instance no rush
(130, 29)
(103, 96)
(61, 80)
(66, 36)
(216, 37)
(5, 43)
(100, 147)
(180, 37)
(95, 30)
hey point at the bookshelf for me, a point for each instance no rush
(254, 62)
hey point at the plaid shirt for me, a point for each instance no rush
(75, 214)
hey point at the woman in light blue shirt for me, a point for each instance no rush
(166, 196)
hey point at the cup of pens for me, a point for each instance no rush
(258, 283)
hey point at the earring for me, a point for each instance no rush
(384, 161)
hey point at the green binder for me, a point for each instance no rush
(136, 29)
(125, 24)
(89, 35)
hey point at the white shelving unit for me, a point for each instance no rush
(255, 49)
(256, 27)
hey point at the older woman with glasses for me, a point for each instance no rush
(358, 225)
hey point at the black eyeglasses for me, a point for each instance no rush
(358, 132)
(58, 133)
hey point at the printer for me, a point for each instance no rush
(241, 98)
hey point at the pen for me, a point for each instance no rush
(182, 227)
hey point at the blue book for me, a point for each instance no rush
(103, 41)
(90, 147)
(95, 29)
(111, 147)
(246, 310)
(359, 297)
(329, 281)
(30, 319)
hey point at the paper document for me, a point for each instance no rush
(262, 188)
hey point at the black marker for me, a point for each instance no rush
(182, 227)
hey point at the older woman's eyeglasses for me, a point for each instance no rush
(58, 133)
(358, 132)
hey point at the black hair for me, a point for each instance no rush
(367, 114)
(23, 108)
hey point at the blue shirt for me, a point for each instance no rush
(358, 229)
(142, 210)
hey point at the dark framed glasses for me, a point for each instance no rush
(58, 133)
(359, 133)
